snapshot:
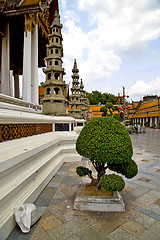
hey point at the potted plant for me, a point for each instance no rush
(107, 144)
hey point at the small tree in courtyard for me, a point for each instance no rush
(104, 110)
(107, 144)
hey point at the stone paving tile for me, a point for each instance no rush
(106, 226)
(157, 202)
(45, 197)
(154, 208)
(47, 213)
(17, 234)
(54, 184)
(89, 234)
(144, 219)
(147, 212)
(70, 181)
(120, 234)
(68, 229)
(57, 179)
(145, 184)
(40, 234)
(73, 238)
(61, 173)
(144, 179)
(152, 233)
(134, 228)
(147, 199)
(49, 223)
(137, 192)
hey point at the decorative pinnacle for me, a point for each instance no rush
(56, 20)
(81, 85)
(75, 69)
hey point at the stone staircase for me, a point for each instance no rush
(26, 167)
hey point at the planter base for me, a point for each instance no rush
(99, 204)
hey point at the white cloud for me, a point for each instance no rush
(123, 25)
(41, 75)
(140, 88)
(64, 3)
(94, 61)
(116, 29)
(119, 28)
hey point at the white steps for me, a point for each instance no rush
(26, 167)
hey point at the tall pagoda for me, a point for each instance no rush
(54, 102)
(82, 98)
(85, 104)
(75, 103)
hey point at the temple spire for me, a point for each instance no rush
(54, 102)
(75, 69)
(75, 110)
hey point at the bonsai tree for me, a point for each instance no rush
(106, 142)
(109, 105)
(104, 110)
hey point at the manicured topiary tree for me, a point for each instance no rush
(109, 105)
(104, 110)
(106, 142)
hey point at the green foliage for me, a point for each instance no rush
(109, 105)
(97, 97)
(112, 183)
(104, 110)
(83, 171)
(146, 124)
(116, 116)
(129, 169)
(105, 140)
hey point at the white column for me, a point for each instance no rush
(5, 62)
(34, 66)
(26, 95)
(156, 121)
(151, 121)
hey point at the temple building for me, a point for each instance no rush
(75, 110)
(54, 101)
(24, 31)
(147, 111)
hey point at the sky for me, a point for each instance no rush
(116, 43)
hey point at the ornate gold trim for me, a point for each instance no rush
(41, 18)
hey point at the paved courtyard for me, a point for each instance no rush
(141, 220)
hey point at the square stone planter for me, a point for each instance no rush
(113, 203)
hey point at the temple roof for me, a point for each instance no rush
(14, 7)
(25, 14)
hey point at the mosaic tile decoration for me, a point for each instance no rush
(15, 131)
